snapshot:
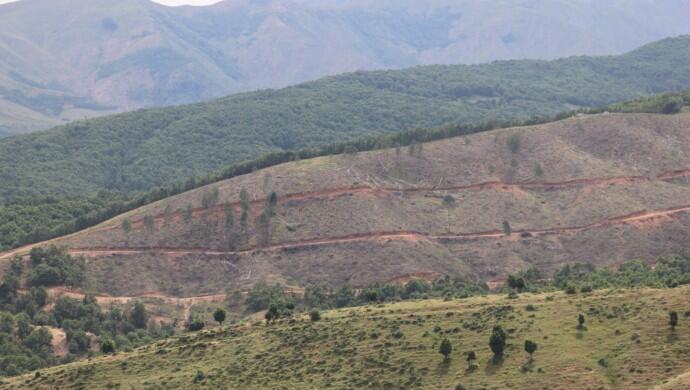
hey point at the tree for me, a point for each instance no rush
(229, 216)
(23, 325)
(530, 348)
(497, 342)
(516, 282)
(314, 315)
(271, 203)
(672, 105)
(507, 230)
(514, 143)
(219, 315)
(126, 226)
(471, 360)
(195, 323)
(108, 346)
(39, 341)
(138, 315)
(445, 349)
(673, 320)
(580, 321)
(449, 204)
(210, 198)
(149, 223)
(188, 213)
(272, 313)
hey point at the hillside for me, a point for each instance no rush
(624, 344)
(143, 149)
(599, 189)
(68, 59)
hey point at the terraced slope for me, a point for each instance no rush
(625, 344)
(599, 189)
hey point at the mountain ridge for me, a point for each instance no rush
(134, 54)
(140, 150)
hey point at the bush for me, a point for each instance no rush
(195, 323)
(108, 346)
(314, 315)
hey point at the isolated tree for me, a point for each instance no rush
(187, 214)
(245, 205)
(272, 313)
(507, 230)
(471, 359)
(108, 346)
(266, 186)
(530, 348)
(126, 226)
(449, 204)
(516, 282)
(210, 198)
(138, 316)
(580, 321)
(445, 349)
(229, 216)
(673, 320)
(497, 342)
(514, 143)
(672, 105)
(219, 316)
(167, 213)
(195, 323)
(271, 203)
(149, 223)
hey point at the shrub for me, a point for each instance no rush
(107, 346)
(314, 315)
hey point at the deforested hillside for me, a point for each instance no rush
(623, 342)
(143, 149)
(599, 189)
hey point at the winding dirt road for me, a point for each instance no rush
(392, 235)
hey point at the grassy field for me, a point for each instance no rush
(626, 343)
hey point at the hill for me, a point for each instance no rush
(143, 149)
(624, 344)
(599, 189)
(68, 59)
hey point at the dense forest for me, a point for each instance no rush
(25, 321)
(140, 150)
(29, 219)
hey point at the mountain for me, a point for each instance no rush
(599, 189)
(63, 60)
(140, 150)
(625, 344)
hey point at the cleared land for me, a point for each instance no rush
(601, 189)
(626, 343)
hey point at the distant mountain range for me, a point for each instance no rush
(67, 59)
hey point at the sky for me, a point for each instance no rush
(166, 2)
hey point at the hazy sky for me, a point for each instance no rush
(166, 2)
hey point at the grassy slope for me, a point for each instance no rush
(359, 348)
(139, 150)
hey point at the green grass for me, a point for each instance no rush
(396, 346)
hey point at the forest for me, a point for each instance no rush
(144, 149)
(29, 219)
